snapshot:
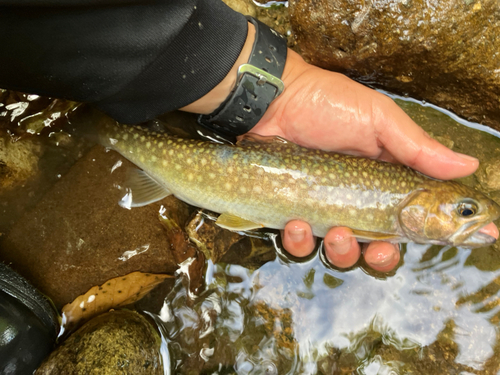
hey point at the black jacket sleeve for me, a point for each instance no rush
(134, 59)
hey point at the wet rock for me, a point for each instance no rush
(116, 342)
(488, 175)
(446, 52)
(78, 236)
(18, 162)
(246, 7)
(222, 245)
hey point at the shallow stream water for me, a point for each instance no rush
(437, 313)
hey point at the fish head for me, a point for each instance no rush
(448, 213)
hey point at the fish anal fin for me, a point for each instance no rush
(375, 236)
(235, 223)
(143, 189)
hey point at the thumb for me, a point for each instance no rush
(411, 145)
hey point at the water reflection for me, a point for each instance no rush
(306, 317)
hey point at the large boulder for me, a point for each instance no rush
(445, 52)
(78, 236)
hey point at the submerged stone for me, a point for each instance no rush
(118, 342)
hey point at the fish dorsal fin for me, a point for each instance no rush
(235, 223)
(252, 139)
(374, 236)
(143, 189)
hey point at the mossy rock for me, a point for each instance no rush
(118, 342)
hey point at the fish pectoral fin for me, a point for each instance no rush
(250, 139)
(143, 189)
(235, 223)
(374, 236)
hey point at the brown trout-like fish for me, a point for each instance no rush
(267, 181)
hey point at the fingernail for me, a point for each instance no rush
(382, 261)
(297, 235)
(466, 157)
(342, 246)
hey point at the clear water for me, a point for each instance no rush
(437, 313)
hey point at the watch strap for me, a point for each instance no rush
(257, 85)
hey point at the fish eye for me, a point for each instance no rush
(467, 209)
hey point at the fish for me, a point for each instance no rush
(264, 182)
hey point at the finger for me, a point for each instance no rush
(341, 248)
(298, 239)
(412, 146)
(490, 229)
(381, 256)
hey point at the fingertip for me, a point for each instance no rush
(341, 248)
(297, 238)
(382, 256)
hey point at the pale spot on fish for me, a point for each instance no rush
(203, 161)
(365, 175)
(243, 189)
(236, 179)
(199, 178)
(347, 174)
(164, 152)
(141, 158)
(211, 175)
(275, 183)
(169, 142)
(143, 138)
(317, 172)
(170, 152)
(178, 166)
(377, 183)
(316, 187)
(403, 184)
(136, 136)
(352, 212)
(230, 170)
(125, 136)
(257, 189)
(164, 163)
(227, 186)
(369, 217)
(153, 158)
(189, 160)
(348, 196)
(190, 177)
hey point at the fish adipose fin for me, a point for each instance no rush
(374, 236)
(235, 223)
(143, 190)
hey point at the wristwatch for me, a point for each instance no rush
(258, 83)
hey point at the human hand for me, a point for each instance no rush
(326, 110)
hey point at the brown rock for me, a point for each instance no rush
(118, 342)
(446, 52)
(78, 236)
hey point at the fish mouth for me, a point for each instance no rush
(484, 236)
